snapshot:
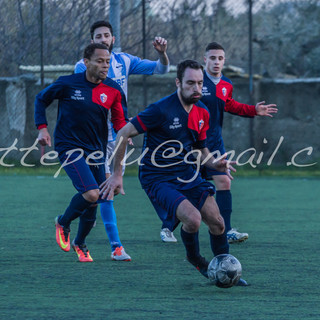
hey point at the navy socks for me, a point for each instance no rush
(76, 207)
(219, 244)
(191, 243)
(224, 202)
(86, 223)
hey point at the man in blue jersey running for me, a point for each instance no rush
(217, 96)
(121, 66)
(174, 147)
(85, 100)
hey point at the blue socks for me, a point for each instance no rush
(109, 219)
(191, 243)
(76, 207)
(219, 244)
(224, 202)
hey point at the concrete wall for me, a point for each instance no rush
(275, 140)
(295, 127)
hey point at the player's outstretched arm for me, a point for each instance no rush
(267, 110)
(114, 184)
(160, 45)
(44, 137)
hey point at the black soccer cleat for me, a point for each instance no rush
(242, 283)
(201, 265)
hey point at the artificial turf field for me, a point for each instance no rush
(280, 259)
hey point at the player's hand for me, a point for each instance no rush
(224, 165)
(44, 137)
(263, 109)
(160, 44)
(111, 187)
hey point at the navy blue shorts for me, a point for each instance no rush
(166, 198)
(84, 177)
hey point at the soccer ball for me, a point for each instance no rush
(224, 270)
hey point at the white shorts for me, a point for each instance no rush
(109, 152)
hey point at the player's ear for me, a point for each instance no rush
(113, 39)
(177, 82)
(86, 62)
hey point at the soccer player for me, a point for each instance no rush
(217, 96)
(175, 130)
(121, 66)
(85, 100)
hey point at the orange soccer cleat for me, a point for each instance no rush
(62, 236)
(82, 252)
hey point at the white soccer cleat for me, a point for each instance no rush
(167, 236)
(234, 236)
(120, 255)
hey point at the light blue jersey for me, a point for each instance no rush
(121, 66)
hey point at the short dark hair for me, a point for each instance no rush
(89, 50)
(214, 46)
(99, 24)
(183, 65)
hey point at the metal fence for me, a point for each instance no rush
(284, 42)
(268, 38)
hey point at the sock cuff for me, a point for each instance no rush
(223, 191)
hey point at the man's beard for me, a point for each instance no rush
(190, 99)
(110, 47)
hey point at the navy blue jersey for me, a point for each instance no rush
(218, 99)
(171, 133)
(82, 112)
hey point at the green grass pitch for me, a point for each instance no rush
(280, 259)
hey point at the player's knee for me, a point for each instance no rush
(193, 223)
(220, 226)
(223, 183)
(91, 195)
(216, 225)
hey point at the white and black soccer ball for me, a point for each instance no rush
(224, 270)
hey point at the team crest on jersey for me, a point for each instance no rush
(103, 97)
(224, 91)
(201, 124)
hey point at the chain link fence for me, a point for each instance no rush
(284, 43)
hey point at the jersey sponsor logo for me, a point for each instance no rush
(77, 95)
(205, 91)
(201, 124)
(176, 123)
(224, 91)
(103, 97)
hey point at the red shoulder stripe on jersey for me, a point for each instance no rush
(198, 121)
(110, 98)
(224, 91)
(141, 124)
